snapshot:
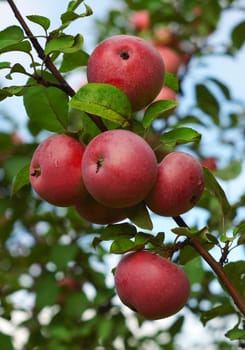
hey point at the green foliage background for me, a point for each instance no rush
(61, 263)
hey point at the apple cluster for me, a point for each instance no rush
(118, 169)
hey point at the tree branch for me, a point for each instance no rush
(216, 267)
(48, 62)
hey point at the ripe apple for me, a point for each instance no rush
(171, 58)
(119, 168)
(210, 163)
(151, 285)
(179, 185)
(55, 170)
(131, 64)
(97, 213)
(140, 20)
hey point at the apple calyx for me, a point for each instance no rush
(124, 55)
(99, 164)
(36, 172)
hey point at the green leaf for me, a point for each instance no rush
(64, 43)
(6, 342)
(23, 46)
(238, 35)
(103, 100)
(235, 333)
(231, 171)
(207, 102)
(41, 20)
(214, 187)
(11, 91)
(62, 254)
(235, 271)
(69, 16)
(180, 136)
(171, 81)
(72, 61)
(46, 291)
(115, 231)
(47, 107)
(140, 216)
(225, 90)
(76, 304)
(218, 311)
(21, 179)
(194, 270)
(121, 246)
(17, 68)
(4, 65)
(10, 36)
(158, 109)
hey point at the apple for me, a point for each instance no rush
(97, 213)
(171, 58)
(210, 163)
(179, 185)
(151, 285)
(163, 35)
(119, 168)
(140, 20)
(55, 170)
(130, 63)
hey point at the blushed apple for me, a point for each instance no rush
(131, 64)
(179, 185)
(97, 213)
(171, 58)
(55, 170)
(151, 285)
(119, 168)
(140, 20)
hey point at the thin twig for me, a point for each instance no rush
(216, 267)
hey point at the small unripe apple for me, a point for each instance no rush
(55, 170)
(179, 185)
(151, 285)
(171, 58)
(140, 20)
(131, 64)
(97, 213)
(119, 168)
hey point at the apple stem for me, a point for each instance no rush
(36, 172)
(216, 267)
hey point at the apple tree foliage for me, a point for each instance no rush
(55, 267)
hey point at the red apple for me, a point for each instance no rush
(151, 285)
(179, 185)
(119, 168)
(210, 163)
(171, 58)
(97, 213)
(131, 64)
(140, 20)
(163, 36)
(55, 170)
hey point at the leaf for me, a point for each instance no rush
(11, 91)
(10, 36)
(23, 46)
(69, 16)
(121, 246)
(61, 255)
(171, 81)
(139, 215)
(194, 270)
(4, 65)
(72, 61)
(46, 291)
(47, 107)
(225, 90)
(17, 68)
(207, 102)
(235, 270)
(235, 333)
(76, 304)
(115, 231)
(214, 187)
(103, 100)
(21, 179)
(6, 342)
(238, 35)
(180, 136)
(218, 311)
(64, 43)
(230, 172)
(41, 20)
(158, 109)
